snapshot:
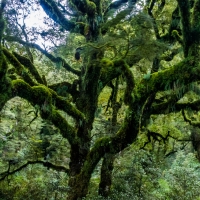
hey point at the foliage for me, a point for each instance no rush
(181, 180)
(99, 79)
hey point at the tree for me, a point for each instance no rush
(116, 35)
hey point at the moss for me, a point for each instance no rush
(176, 35)
(3, 65)
(20, 70)
(105, 63)
(130, 84)
(21, 85)
(91, 8)
(29, 65)
(196, 14)
(35, 94)
(85, 6)
(66, 130)
(41, 91)
(165, 79)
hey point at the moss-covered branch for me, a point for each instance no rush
(64, 88)
(30, 66)
(48, 55)
(5, 82)
(64, 105)
(20, 69)
(45, 95)
(48, 165)
(59, 102)
(185, 72)
(53, 12)
(40, 95)
(85, 6)
(110, 70)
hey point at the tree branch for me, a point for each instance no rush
(54, 13)
(64, 87)
(40, 95)
(129, 130)
(59, 101)
(45, 164)
(21, 71)
(31, 67)
(117, 4)
(48, 55)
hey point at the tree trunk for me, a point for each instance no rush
(78, 186)
(106, 175)
(108, 161)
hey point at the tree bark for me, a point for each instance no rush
(106, 175)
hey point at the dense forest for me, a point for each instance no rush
(99, 99)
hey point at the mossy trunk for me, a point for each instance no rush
(78, 187)
(106, 175)
(108, 161)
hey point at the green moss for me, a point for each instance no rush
(21, 85)
(20, 70)
(105, 62)
(3, 65)
(66, 130)
(176, 35)
(36, 95)
(91, 8)
(41, 91)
